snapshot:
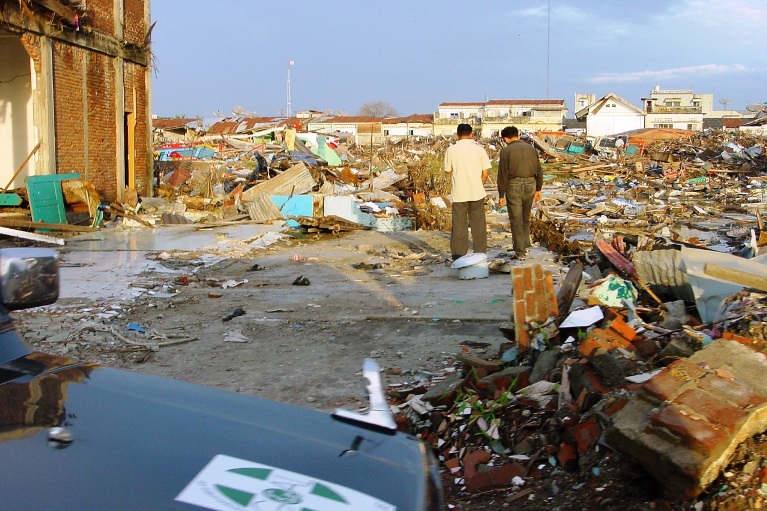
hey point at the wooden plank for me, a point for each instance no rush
(262, 209)
(741, 277)
(18, 169)
(296, 180)
(568, 289)
(28, 224)
(31, 236)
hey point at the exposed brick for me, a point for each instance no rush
(552, 305)
(623, 329)
(534, 299)
(453, 465)
(731, 390)
(606, 339)
(645, 347)
(586, 434)
(567, 457)
(531, 309)
(738, 338)
(711, 408)
(495, 477)
(472, 460)
(692, 430)
(673, 379)
(85, 92)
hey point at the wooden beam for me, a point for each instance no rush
(741, 277)
(28, 224)
(31, 236)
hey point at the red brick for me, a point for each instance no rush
(495, 477)
(645, 347)
(527, 277)
(552, 306)
(586, 434)
(616, 405)
(603, 338)
(530, 307)
(472, 460)
(673, 380)
(453, 464)
(731, 391)
(738, 338)
(567, 457)
(692, 430)
(622, 328)
(711, 408)
(518, 282)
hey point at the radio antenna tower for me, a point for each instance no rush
(290, 64)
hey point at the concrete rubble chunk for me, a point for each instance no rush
(684, 425)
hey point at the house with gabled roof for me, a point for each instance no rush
(609, 115)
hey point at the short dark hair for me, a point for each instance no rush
(509, 132)
(464, 129)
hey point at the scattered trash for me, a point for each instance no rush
(235, 313)
(301, 281)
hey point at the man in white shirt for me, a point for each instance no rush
(467, 163)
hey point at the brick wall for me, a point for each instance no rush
(69, 108)
(135, 81)
(88, 127)
(135, 29)
(100, 16)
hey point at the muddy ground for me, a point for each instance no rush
(243, 325)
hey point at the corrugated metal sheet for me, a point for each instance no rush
(170, 123)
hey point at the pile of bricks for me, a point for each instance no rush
(677, 407)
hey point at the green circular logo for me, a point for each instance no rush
(282, 496)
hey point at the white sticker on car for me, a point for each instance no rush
(232, 484)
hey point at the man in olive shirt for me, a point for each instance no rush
(467, 163)
(520, 179)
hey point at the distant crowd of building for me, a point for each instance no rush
(608, 115)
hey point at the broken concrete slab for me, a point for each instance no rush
(686, 422)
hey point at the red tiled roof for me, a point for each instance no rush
(472, 103)
(730, 122)
(526, 102)
(351, 119)
(240, 125)
(166, 123)
(415, 118)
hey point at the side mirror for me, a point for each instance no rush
(29, 277)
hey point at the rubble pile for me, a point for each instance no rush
(614, 368)
(635, 367)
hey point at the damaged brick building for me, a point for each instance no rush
(75, 92)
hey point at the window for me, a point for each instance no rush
(386, 133)
(453, 115)
(664, 125)
(410, 132)
(691, 127)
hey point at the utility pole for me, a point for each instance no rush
(287, 113)
(548, 48)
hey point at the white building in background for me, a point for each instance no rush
(679, 109)
(490, 117)
(609, 115)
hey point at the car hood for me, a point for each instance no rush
(141, 442)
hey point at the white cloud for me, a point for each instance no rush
(665, 74)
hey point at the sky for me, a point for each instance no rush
(213, 58)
